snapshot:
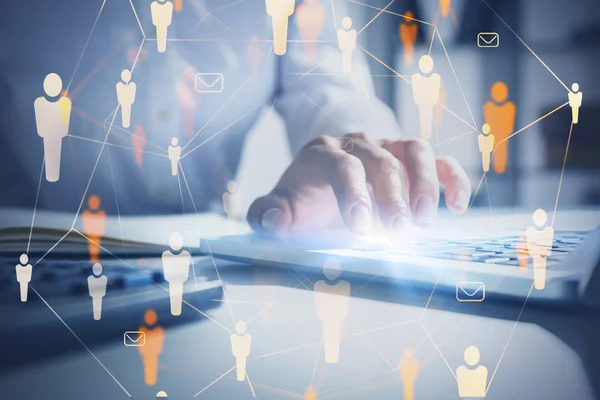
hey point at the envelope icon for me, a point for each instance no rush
(470, 292)
(488, 39)
(134, 339)
(346, 144)
(209, 82)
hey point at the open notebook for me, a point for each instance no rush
(137, 234)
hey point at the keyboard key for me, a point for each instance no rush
(498, 260)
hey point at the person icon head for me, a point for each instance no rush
(24, 259)
(332, 269)
(97, 269)
(161, 395)
(150, 317)
(240, 327)
(232, 187)
(486, 129)
(499, 92)
(575, 87)
(52, 85)
(409, 17)
(347, 23)
(408, 352)
(426, 64)
(174, 142)
(472, 356)
(94, 202)
(126, 76)
(176, 241)
(540, 217)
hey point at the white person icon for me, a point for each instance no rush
(426, 93)
(332, 301)
(24, 271)
(97, 287)
(126, 97)
(52, 123)
(162, 16)
(176, 268)
(241, 342)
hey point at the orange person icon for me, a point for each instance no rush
(310, 394)
(445, 7)
(94, 225)
(409, 371)
(309, 19)
(408, 37)
(139, 142)
(500, 114)
(178, 5)
(188, 98)
(155, 337)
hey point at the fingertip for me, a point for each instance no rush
(360, 219)
(460, 201)
(270, 215)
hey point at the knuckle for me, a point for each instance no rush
(322, 140)
(388, 164)
(416, 145)
(343, 163)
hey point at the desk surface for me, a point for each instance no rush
(551, 359)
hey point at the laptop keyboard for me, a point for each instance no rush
(498, 251)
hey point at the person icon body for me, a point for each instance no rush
(310, 394)
(24, 271)
(162, 16)
(174, 156)
(539, 247)
(500, 113)
(52, 123)
(408, 37)
(280, 12)
(445, 7)
(94, 226)
(575, 100)
(426, 94)
(347, 43)
(138, 140)
(241, 342)
(332, 302)
(126, 97)
(176, 268)
(230, 200)
(310, 16)
(97, 288)
(486, 143)
(150, 352)
(471, 381)
(409, 371)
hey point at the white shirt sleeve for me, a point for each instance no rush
(329, 102)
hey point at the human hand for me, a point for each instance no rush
(396, 182)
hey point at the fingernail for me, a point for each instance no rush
(399, 223)
(426, 211)
(461, 199)
(270, 218)
(360, 218)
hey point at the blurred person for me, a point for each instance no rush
(500, 113)
(310, 16)
(324, 186)
(408, 37)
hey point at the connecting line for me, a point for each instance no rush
(487, 189)
(534, 122)
(509, 338)
(235, 121)
(284, 392)
(218, 112)
(37, 196)
(116, 145)
(95, 166)
(333, 15)
(390, 12)
(362, 334)
(477, 191)
(562, 173)
(226, 6)
(312, 379)
(438, 349)
(112, 174)
(215, 381)
(80, 341)
(52, 248)
(525, 44)
(376, 16)
(137, 56)
(430, 296)
(457, 137)
(250, 384)
(87, 42)
(432, 37)
(302, 75)
(137, 19)
(456, 77)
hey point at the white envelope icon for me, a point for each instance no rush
(488, 39)
(134, 339)
(209, 82)
(470, 292)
